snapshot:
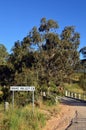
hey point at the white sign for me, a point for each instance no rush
(22, 88)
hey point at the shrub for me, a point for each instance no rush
(49, 100)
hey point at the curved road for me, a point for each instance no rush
(79, 121)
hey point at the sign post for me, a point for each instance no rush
(22, 88)
(13, 100)
(33, 101)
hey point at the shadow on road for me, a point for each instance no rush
(72, 102)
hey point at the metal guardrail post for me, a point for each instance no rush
(79, 96)
(75, 95)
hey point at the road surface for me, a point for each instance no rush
(66, 120)
(78, 122)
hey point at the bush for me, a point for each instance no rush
(49, 100)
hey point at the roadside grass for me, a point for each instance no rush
(22, 119)
(50, 110)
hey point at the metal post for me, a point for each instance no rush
(72, 94)
(13, 100)
(33, 101)
(79, 96)
(66, 93)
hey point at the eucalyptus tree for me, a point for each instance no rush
(45, 54)
(3, 55)
(61, 54)
(70, 40)
(57, 54)
(4, 70)
(50, 42)
(20, 60)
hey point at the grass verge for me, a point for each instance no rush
(23, 119)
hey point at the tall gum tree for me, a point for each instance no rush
(3, 54)
(51, 56)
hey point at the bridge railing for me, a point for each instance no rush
(79, 96)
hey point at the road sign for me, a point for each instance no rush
(22, 88)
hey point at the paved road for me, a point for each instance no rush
(78, 124)
(79, 121)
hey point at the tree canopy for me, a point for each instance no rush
(3, 54)
(44, 57)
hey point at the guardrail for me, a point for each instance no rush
(79, 96)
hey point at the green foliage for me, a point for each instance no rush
(23, 119)
(49, 100)
(3, 54)
(42, 57)
(6, 75)
(46, 25)
(82, 82)
(74, 87)
(6, 93)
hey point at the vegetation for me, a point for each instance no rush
(3, 55)
(44, 59)
(83, 67)
(75, 87)
(22, 119)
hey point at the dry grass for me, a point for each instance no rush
(22, 119)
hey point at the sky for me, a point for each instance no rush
(17, 18)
